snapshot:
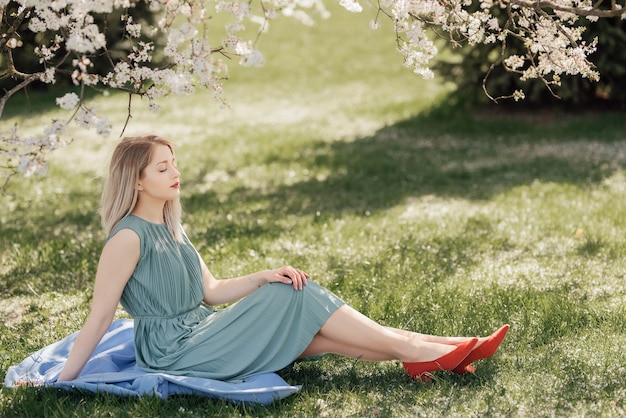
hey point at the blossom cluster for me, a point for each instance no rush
(193, 59)
(549, 30)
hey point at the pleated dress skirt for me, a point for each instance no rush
(263, 332)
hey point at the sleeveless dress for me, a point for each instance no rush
(176, 333)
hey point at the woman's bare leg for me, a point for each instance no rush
(435, 338)
(356, 335)
(322, 345)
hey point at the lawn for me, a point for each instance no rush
(335, 158)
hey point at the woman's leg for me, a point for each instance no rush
(322, 345)
(435, 338)
(348, 332)
(485, 346)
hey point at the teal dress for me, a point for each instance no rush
(175, 332)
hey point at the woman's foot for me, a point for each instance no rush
(419, 369)
(485, 349)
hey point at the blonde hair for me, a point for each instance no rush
(119, 196)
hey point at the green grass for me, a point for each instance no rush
(341, 162)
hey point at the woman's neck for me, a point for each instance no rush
(150, 212)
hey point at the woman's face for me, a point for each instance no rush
(161, 179)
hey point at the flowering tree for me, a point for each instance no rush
(71, 33)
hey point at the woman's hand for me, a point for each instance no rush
(289, 275)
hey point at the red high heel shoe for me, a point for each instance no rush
(419, 369)
(485, 350)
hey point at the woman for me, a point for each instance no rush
(150, 267)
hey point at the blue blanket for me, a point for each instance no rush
(112, 369)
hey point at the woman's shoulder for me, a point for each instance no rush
(131, 222)
(125, 239)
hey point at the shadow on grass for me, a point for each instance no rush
(450, 157)
(441, 154)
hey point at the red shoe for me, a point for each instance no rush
(485, 350)
(419, 369)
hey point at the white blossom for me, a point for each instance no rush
(133, 29)
(351, 6)
(85, 39)
(45, 52)
(68, 101)
(514, 62)
(253, 58)
(48, 76)
(142, 52)
(103, 126)
(53, 134)
(30, 165)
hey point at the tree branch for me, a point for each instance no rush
(27, 80)
(594, 11)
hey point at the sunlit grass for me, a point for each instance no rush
(420, 217)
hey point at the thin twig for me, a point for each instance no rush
(491, 67)
(129, 116)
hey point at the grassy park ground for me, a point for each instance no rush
(335, 158)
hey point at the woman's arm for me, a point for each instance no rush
(117, 262)
(217, 292)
